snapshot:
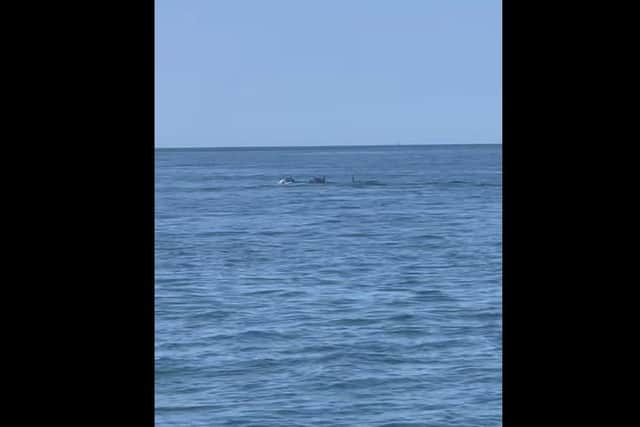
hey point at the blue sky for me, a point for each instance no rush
(327, 72)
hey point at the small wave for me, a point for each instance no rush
(185, 408)
(221, 233)
(372, 183)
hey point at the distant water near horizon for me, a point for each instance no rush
(371, 300)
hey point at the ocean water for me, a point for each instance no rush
(367, 303)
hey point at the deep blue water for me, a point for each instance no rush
(375, 303)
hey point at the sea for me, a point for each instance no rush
(373, 299)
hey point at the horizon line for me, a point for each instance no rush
(327, 145)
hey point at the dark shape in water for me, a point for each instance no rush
(318, 180)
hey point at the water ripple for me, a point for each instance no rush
(373, 303)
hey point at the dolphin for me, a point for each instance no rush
(287, 180)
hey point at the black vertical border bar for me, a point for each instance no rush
(530, 104)
(150, 184)
(105, 152)
(137, 159)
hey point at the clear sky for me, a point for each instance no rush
(327, 72)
